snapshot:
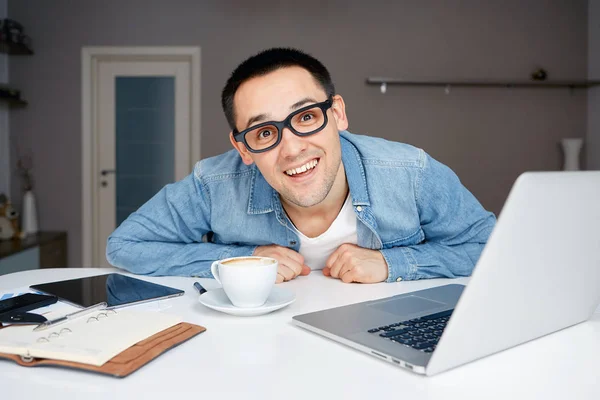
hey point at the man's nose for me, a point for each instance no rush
(291, 144)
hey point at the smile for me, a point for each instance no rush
(308, 166)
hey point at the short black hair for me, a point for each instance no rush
(268, 61)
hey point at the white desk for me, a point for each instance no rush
(267, 357)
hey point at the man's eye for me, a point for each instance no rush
(264, 134)
(306, 117)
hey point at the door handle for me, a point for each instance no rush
(105, 172)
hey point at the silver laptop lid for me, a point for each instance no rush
(539, 272)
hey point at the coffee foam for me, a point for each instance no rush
(248, 262)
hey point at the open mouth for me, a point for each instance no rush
(303, 169)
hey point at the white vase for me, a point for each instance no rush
(30, 220)
(571, 150)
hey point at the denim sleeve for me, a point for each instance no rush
(455, 225)
(165, 235)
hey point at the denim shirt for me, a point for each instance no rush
(410, 207)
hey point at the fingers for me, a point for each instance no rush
(287, 273)
(337, 260)
(349, 275)
(332, 260)
(291, 263)
(348, 263)
(280, 278)
(293, 255)
(294, 266)
(356, 264)
(290, 270)
(345, 268)
(351, 263)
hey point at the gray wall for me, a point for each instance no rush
(488, 136)
(593, 114)
(4, 120)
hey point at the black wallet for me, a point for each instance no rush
(14, 310)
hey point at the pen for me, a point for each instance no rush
(199, 288)
(67, 317)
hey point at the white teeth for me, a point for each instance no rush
(304, 168)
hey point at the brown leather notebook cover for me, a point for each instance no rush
(129, 360)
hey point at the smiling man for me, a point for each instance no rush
(300, 188)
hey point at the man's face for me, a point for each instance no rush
(273, 97)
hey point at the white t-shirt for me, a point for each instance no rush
(317, 250)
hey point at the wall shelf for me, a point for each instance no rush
(14, 48)
(13, 103)
(384, 82)
(11, 96)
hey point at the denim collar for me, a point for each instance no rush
(264, 199)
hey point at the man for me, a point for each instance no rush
(299, 188)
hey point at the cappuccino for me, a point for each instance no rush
(247, 281)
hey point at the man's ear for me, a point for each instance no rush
(241, 148)
(339, 112)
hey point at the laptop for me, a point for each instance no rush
(538, 273)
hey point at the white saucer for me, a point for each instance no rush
(218, 300)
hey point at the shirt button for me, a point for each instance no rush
(358, 208)
(398, 279)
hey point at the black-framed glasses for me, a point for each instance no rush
(303, 122)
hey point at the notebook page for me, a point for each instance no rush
(86, 339)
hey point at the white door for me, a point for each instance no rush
(143, 138)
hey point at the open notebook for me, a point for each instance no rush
(91, 339)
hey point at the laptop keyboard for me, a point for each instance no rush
(420, 333)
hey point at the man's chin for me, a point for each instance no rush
(304, 201)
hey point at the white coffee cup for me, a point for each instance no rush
(247, 281)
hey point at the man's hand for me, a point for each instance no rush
(351, 263)
(291, 263)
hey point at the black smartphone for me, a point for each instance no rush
(25, 302)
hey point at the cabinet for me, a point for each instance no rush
(53, 253)
(42, 250)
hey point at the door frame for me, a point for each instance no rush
(91, 56)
